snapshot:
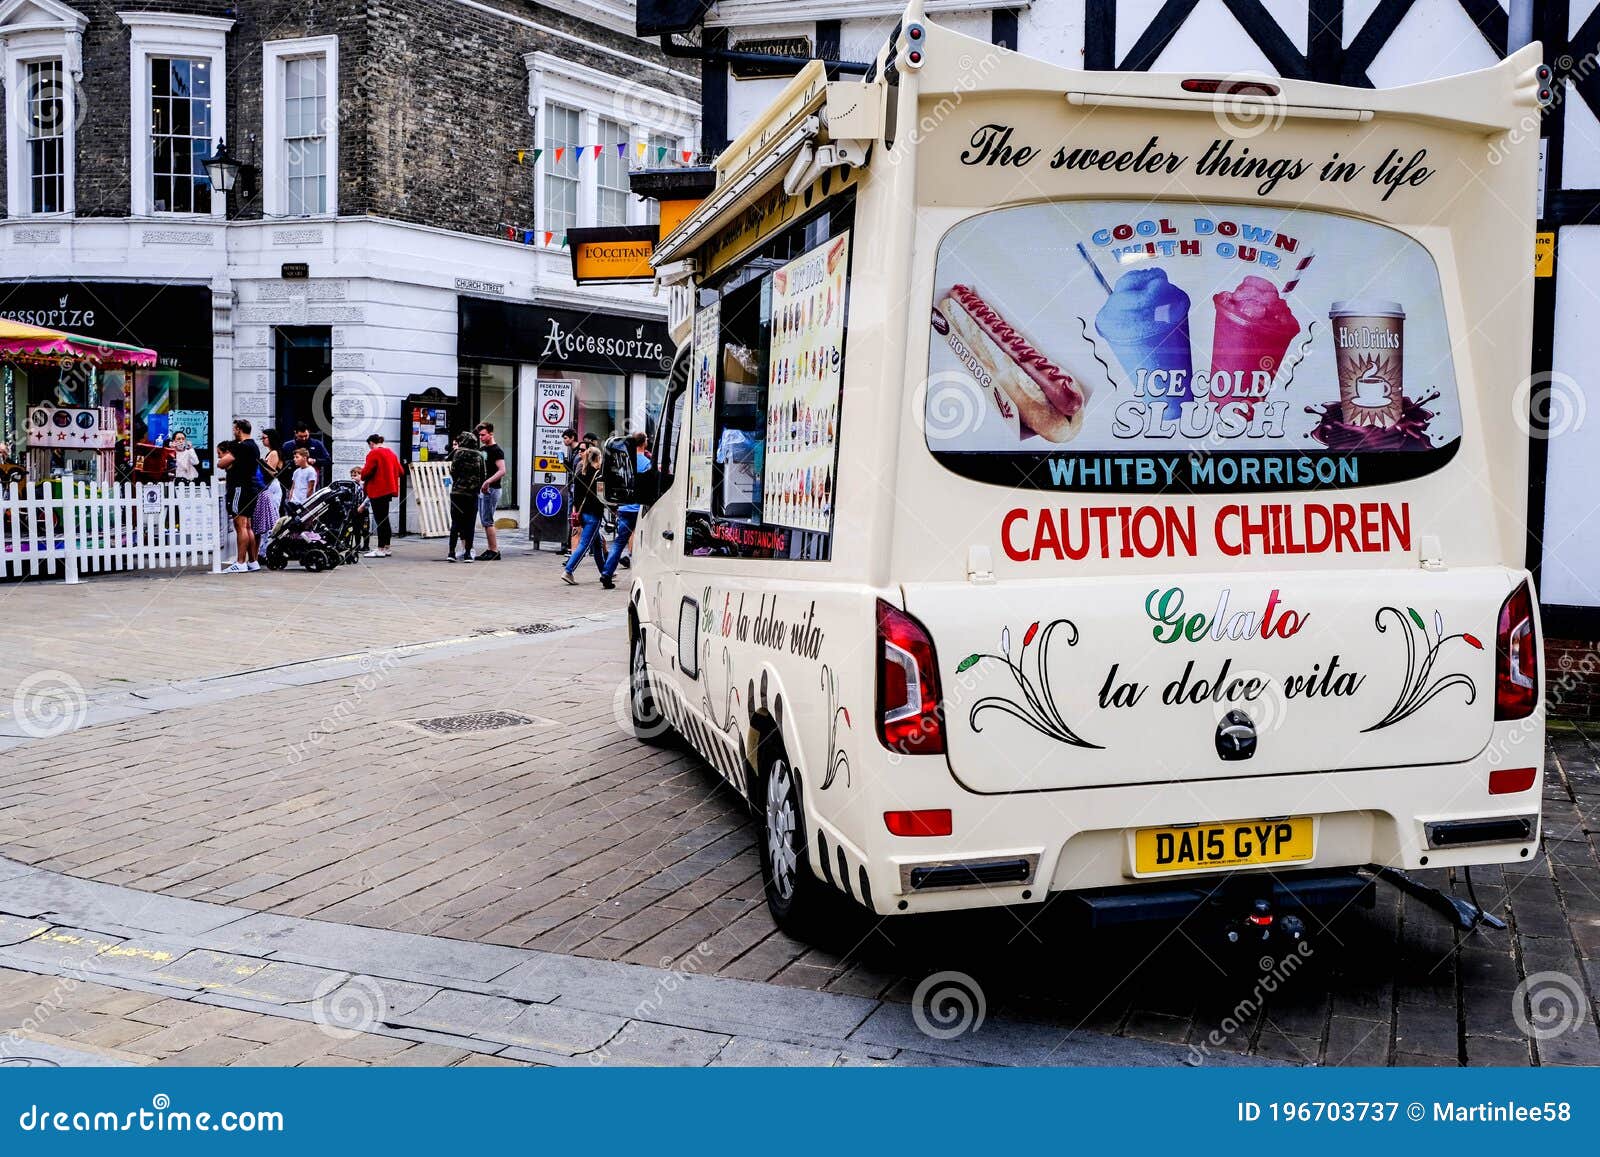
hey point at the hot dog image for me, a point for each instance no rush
(1050, 400)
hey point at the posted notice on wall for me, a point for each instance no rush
(803, 379)
(702, 409)
(552, 415)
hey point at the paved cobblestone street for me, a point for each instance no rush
(258, 749)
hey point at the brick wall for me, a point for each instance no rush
(1572, 678)
(433, 100)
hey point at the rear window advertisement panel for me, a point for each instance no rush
(1187, 348)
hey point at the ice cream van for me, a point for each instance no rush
(1106, 488)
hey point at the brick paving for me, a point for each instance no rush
(117, 1026)
(566, 836)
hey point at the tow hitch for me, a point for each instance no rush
(1262, 924)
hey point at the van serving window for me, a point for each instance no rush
(1181, 347)
(765, 387)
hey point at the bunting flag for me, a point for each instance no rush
(622, 147)
(688, 155)
(661, 152)
(548, 236)
(640, 147)
(511, 232)
(597, 149)
(559, 151)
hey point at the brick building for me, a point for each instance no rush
(418, 163)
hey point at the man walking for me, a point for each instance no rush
(380, 478)
(240, 459)
(494, 459)
(569, 459)
(320, 457)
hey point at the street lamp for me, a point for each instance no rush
(225, 171)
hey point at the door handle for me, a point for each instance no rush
(667, 534)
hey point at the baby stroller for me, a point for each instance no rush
(322, 532)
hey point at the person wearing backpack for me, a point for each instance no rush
(587, 502)
(635, 463)
(466, 479)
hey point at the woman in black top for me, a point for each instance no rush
(586, 499)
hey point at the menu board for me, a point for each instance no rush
(803, 378)
(703, 396)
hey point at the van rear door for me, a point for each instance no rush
(1221, 423)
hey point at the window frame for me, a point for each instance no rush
(641, 108)
(275, 58)
(59, 37)
(170, 34)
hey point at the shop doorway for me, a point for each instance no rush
(489, 390)
(304, 381)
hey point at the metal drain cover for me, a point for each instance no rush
(473, 721)
(539, 628)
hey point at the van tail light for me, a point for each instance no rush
(1516, 668)
(908, 685)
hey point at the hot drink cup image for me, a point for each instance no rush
(1146, 323)
(1254, 328)
(1368, 351)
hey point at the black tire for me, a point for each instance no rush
(648, 721)
(312, 560)
(801, 905)
(274, 559)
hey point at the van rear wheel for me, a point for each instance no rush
(799, 902)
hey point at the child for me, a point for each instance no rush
(364, 519)
(304, 483)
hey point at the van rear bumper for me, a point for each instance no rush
(1019, 849)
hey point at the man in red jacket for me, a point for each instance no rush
(380, 478)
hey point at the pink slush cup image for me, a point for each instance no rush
(1254, 329)
(1146, 323)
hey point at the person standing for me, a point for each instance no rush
(494, 463)
(627, 513)
(240, 459)
(380, 478)
(185, 459)
(466, 477)
(303, 483)
(265, 516)
(319, 453)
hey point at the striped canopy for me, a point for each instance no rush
(33, 343)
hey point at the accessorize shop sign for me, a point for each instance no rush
(1187, 347)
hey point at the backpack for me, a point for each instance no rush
(617, 471)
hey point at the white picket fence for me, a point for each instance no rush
(73, 527)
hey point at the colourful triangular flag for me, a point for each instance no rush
(563, 241)
(661, 152)
(622, 147)
(511, 233)
(597, 149)
(548, 236)
(537, 153)
(520, 154)
(527, 237)
(559, 151)
(639, 150)
(688, 155)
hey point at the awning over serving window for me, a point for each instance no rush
(32, 343)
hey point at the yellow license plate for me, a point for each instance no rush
(1230, 845)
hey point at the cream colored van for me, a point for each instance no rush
(1103, 484)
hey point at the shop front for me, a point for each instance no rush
(150, 404)
(617, 365)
